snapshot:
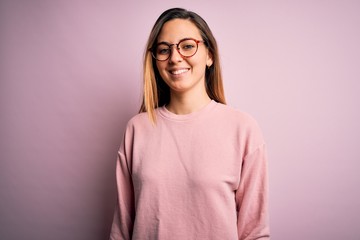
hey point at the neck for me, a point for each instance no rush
(185, 103)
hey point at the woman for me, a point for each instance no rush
(189, 167)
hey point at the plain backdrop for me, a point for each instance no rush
(70, 79)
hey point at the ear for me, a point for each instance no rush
(209, 59)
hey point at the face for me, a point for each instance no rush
(183, 74)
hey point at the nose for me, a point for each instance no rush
(175, 56)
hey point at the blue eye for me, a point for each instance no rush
(163, 51)
(188, 45)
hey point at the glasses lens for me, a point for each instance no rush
(162, 52)
(188, 47)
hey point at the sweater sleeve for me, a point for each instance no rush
(252, 197)
(124, 215)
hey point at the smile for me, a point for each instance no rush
(180, 71)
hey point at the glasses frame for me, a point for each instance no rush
(153, 49)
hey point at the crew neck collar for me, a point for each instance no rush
(164, 112)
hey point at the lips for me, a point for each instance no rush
(179, 71)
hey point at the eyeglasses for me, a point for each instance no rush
(187, 47)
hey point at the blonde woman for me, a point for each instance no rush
(189, 167)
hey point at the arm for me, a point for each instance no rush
(252, 196)
(124, 215)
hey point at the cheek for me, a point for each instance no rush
(161, 66)
(201, 60)
(199, 64)
(165, 77)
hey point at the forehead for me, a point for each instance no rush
(177, 29)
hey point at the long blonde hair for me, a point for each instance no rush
(155, 91)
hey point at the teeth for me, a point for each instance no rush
(179, 71)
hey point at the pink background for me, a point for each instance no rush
(71, 78)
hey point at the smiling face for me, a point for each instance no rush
(179, 73)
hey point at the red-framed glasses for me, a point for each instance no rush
(186, 47)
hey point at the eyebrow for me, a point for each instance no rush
(167, 43)
(163, 42)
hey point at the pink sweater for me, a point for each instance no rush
(197, 176)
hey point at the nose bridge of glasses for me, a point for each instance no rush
(171, 53)
(176, 46)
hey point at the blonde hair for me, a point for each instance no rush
(155, 91)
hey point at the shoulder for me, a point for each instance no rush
(235, 116)
(139, 119)
(138, 123)
(142, 122)
(244, 125)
